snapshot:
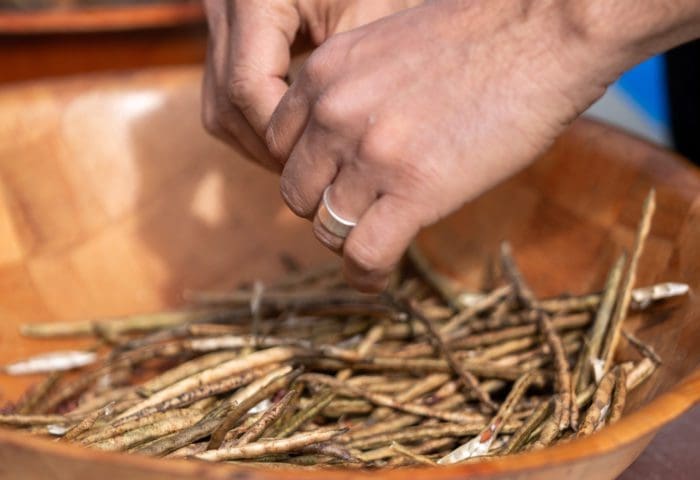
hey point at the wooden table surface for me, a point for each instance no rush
(673, 454)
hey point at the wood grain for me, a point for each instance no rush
(30, 57)
(101, 18)
(113, 200)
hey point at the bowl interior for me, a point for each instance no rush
(114, 200)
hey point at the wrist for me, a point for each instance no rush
(626, 32)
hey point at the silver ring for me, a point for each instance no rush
(333, 222)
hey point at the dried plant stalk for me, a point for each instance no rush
(467, 379)
(644, 349)
(129, 324)
(511, 270)
(31, 403)
(629, 279)
(388, 425)
(185, 370)
(414, 434)
(259, 449)
(19, 420)
(248, 397)
(481, 444)
(114, 430)
(331, 450)
(591, 350)
(388, 382)
(323, 400)
(518, 439)
(416, 457)
(440, 283)
(598, 410)
(568, 322)
(373, 336)
(219, 372)
(269, 417)
(617, 405)
(181, 438)
(639, 373)
(564, 401)
(487, 302)
(385, 401)
(147, 432)
(84, 425)
(191, 396)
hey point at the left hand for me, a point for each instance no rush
(248, 59)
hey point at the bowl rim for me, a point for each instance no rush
(101, 18)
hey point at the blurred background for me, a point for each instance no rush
(658, 100)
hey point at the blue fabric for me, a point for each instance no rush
(646, 85)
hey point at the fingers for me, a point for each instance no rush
(247, 61)
(303, 100)
(228, 124)
(375, 246)
(311, 167)
(260, 37)
(220, 117)
(288, 122)
(348, 197)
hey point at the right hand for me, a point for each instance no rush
(248, 60)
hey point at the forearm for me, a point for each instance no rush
(629, 31)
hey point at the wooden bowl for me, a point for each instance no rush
(120, 15)
(114, 200)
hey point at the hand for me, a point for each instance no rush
(249, 56)
(413, 115)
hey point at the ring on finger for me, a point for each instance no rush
(331, 220)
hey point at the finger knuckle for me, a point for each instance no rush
(240, 87)
(316, 68)
(330, 110)
(366, 257)
(379, 145)
(292, 196)
(273, 145)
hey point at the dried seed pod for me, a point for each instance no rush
(248, 397)
(619, 398)
(269, 417)
(218, 372)
(598, 410)
(259, 449)
(85, 424)
(32, 401)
